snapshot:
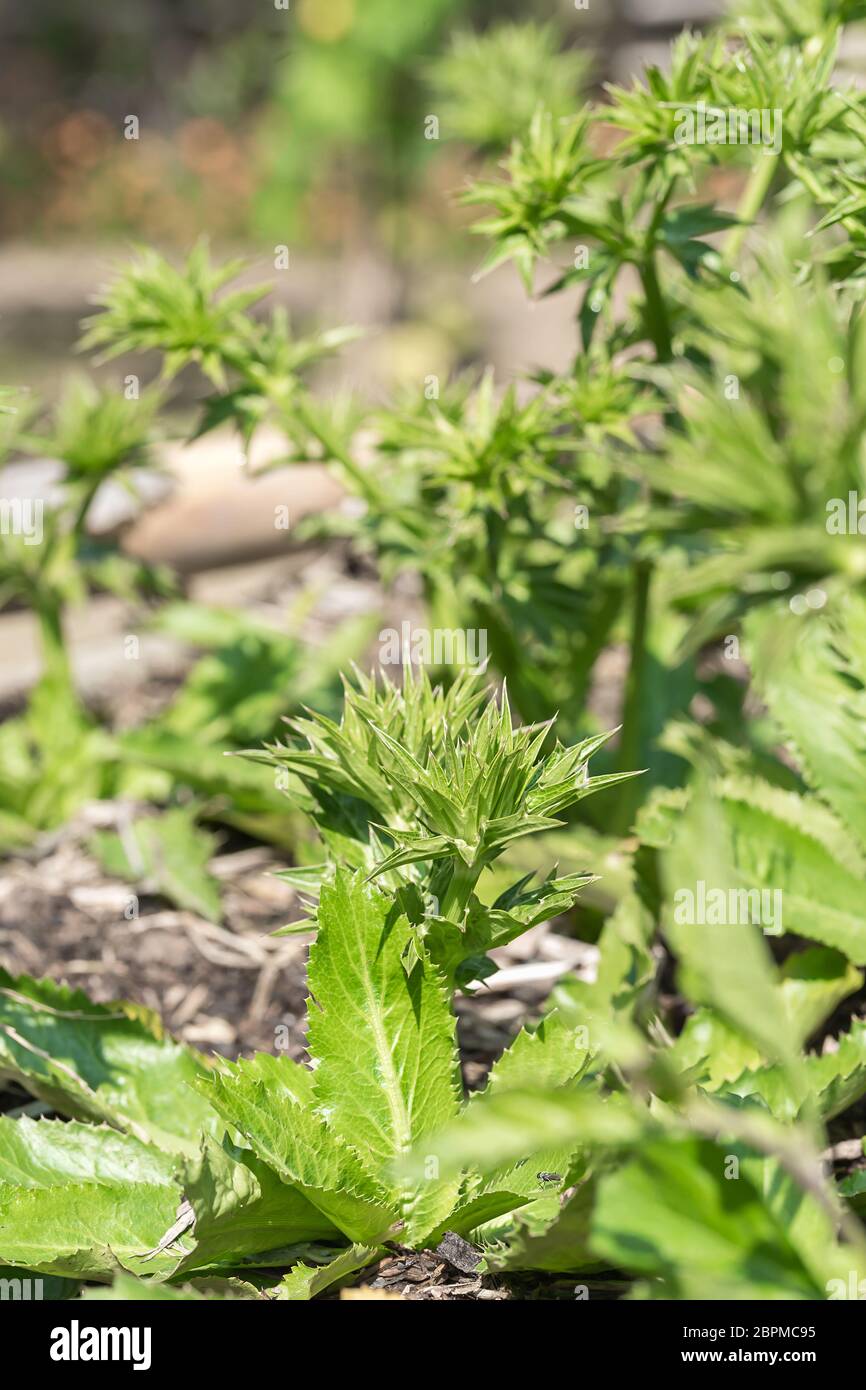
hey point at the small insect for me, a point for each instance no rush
(549, 1177)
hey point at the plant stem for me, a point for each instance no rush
(658, 326)
(459, 891)
(630, 743)
(366, 484)
(90, 492)
(657, 322)
(56, 667)
(754, 195)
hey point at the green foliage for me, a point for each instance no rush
(56, 756)
(108, 1062)
(425, 790)
(188, 316)
(487, 86)
(323, 1150)
(179, 312)
(715, 409)
(99, 433)
(796, 21)
(350, 82)
(538, 203)
(165, 854)
(488, 478)
(617, 501)
(812, 672)
(670, 1213)
(321, 1166)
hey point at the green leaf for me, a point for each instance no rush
(561, 1246)
(836, 1080)
(812, 674)
(540, 1057)
(796, 847)
(77, 1200)
(384, 1041)
(268, 1100)
(166, 854)
(241, 1208)
(473, 1211)
(251, 675)
(811, 984)
(727, 967)
(247, 793)
(101, 1061)
(511, 1127)
(127, 1289)
(304, 1282)
(671, 1212)
(792, 846)
(694, 220)
(626, 969)
(55, 1153)
(853, 1189)
(804, 1206)
(712, 1050)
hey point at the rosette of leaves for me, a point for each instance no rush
(596, 1144)
(424, 788)
(173, 1169)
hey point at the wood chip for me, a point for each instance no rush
(458, 1252)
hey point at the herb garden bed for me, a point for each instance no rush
(502, 935)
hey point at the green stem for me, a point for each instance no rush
(657, 322)
(630, 743)
(459, 891)
(56, 667)
(364, 482)
(90, 492)
(754, 195)
(366, 485)
(658, 327)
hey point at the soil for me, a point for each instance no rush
(233, 989)
(236, 989)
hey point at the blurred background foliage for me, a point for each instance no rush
(303, 123)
